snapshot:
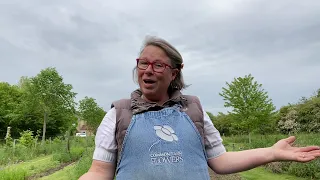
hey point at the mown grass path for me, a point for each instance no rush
(262, 174)
(28, 168)
(63, 174)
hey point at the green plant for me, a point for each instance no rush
(310, 169)
(306, 170)
(76, 153)
(26, 138)
(13, 174)
(62, 157)
(9, 140)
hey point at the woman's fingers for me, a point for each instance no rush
(309, 148)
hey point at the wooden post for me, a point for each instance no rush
(14, 146)
(50, 141)
(14, 143)
(45, 116)
(8, 132)
(35, 143)
(68, 141)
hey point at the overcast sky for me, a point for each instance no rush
(93, 44)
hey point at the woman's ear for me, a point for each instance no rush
(181, 66)
(175, 74)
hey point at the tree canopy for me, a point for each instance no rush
(251, 106)
(43, 102)
(90, 111)
(46, 103)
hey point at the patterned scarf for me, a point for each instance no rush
(139, 105)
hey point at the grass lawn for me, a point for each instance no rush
(28, 168)
(262, 174)
(63, 174)
(259, 173)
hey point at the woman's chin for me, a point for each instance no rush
(148, 92)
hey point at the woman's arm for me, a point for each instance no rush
(232, 162)
(104, 156)
(99, 170)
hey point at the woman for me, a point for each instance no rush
(161, 134)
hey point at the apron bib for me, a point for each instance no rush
(162, 145)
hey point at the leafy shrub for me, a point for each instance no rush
(310, 169)
(9, 140)
(62, 157)
(76, 153)
(26, 138)
(57, 140)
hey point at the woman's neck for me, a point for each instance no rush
(159, 101)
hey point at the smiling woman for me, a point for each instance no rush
(163, 58)
(160, 133)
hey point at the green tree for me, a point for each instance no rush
(309, 114)
(10, 100)
(90, 111)
(49, 95)
(318, 93)
(251, 106)
(223, 123)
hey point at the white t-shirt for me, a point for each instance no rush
(106, 147)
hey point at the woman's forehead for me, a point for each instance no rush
(153, 53)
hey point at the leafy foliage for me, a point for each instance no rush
(10, 99)
(26, 138)
(305, 115)
(252, 108)
(91, 112)
(288, 123)
(50, 94)
(223, 122)
(40, 102)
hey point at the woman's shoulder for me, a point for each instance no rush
(192, 99)
(121, 104)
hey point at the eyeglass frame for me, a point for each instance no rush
(151, 63)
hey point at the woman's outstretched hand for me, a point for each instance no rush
(284, 150)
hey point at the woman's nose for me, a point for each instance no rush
(149, 69)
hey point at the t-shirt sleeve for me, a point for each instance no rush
(212, 138)
(105, 143)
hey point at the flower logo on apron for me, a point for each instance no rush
(164, 132)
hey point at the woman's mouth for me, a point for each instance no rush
(149, 81)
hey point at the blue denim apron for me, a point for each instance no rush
(162, 145)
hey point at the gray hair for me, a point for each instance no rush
(174, 56)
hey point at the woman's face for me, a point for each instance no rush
(153, 84)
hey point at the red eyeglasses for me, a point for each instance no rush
(156, 65)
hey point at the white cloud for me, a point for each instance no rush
(93, 44)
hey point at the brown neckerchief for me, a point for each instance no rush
(139, 105)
